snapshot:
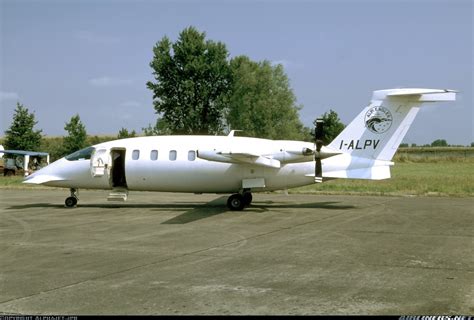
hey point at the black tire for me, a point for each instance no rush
(70, 202)
(247, 198)
(236, 202)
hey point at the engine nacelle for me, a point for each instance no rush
(294, 156)
(304, 155)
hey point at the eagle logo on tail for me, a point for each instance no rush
(378, 119)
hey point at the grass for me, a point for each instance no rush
(443, 178)
(15, 182)
(436, 177)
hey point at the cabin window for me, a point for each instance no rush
(136, 154)
(191, 155)
(173, 155)
(84, 154)
(154, 155)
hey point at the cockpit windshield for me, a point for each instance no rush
(84, 154)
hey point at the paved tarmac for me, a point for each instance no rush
(166, 253)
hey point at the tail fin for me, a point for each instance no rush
(379, 129)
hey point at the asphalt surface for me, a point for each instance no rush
(165, 253)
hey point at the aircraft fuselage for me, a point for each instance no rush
(172, 163)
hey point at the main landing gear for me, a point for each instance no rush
(71, 201)
(239, 201)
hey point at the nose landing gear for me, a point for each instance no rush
(71, 201)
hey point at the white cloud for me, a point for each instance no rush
(125, 116)
(130, 104)
(95, 38)
(109, 82)
(4, 96)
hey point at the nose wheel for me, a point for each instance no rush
(71, 201)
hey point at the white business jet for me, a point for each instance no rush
(241, 165)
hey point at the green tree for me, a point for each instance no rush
(332, 126)
(193, 82)
(53, 146)
(123, 134)
(439, 143)
(150, 130)
(76, 138)
(161, 128)
(92, 140)
(21, 135)
(262, 103)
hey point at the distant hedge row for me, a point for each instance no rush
(418, 154)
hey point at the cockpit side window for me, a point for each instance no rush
(84, 154)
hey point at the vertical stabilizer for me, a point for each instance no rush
(378, 130)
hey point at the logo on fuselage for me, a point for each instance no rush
(378, 119)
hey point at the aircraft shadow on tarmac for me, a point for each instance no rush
(197, 211)
(216, 207)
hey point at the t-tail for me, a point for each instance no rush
(370, 141)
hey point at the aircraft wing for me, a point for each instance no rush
(239, 157)
(254, 159)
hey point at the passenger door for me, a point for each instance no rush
(100, 163)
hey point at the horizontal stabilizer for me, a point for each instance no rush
(413, 91)
(417, 95)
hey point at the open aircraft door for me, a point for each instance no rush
(100, 163)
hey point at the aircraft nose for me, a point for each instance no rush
(46, 174)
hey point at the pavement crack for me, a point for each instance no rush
(418, 267)
(196, 252)
(407, 233)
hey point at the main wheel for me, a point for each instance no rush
(247, 198)
(236, 202)
(70, 202)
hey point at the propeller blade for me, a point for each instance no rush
(318, 135)
(318, 175)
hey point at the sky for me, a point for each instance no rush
(91, 57)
